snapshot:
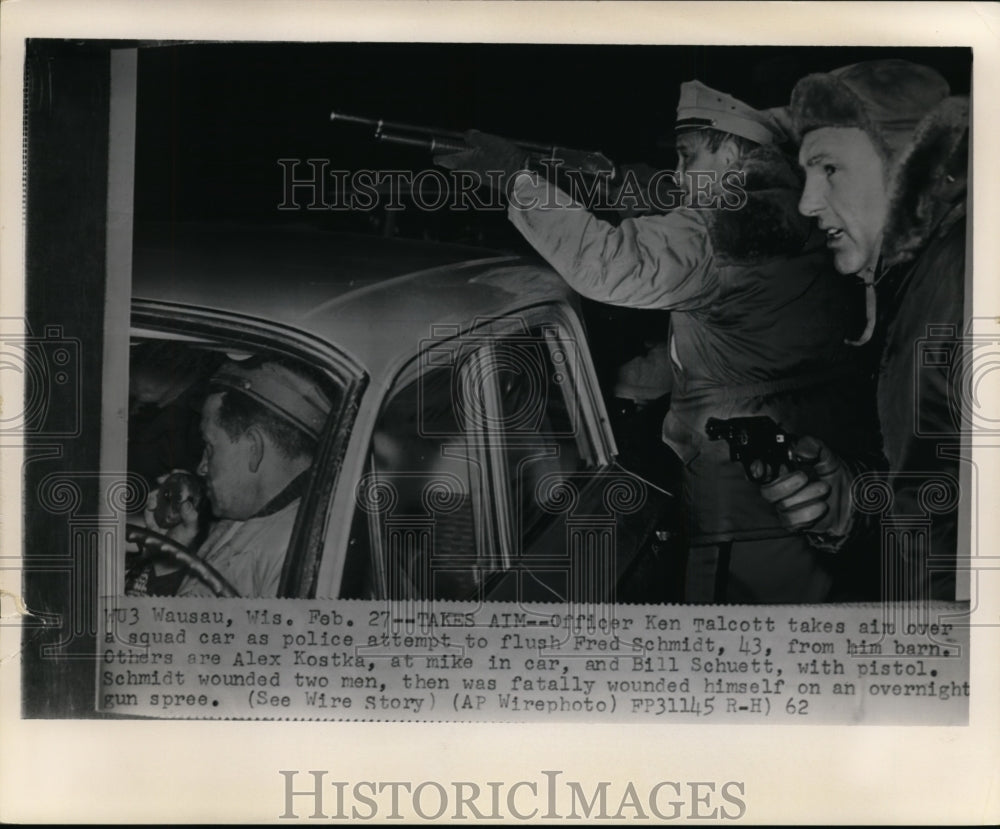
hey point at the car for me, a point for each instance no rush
(468, 455)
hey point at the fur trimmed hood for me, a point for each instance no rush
(884, 98)
(769, 223)
(930, 182)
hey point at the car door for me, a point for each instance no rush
(574, 526)
(491, 474)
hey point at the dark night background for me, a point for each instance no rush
(214, 118)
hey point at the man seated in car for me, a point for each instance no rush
(260, 423)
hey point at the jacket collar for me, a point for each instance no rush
(290, 493)
(929, 186)
(769, 223)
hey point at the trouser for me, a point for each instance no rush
(769, 571)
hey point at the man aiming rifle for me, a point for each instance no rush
(759, 323)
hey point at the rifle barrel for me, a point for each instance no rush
(430, 142)
(434, 139)
(395, 128)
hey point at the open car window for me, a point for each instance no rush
(187, 447)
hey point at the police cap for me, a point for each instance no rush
(701, 107)
(284, 391)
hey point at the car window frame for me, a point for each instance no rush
(583, 382)
(482, 506)
(495, 526)
(307, 542)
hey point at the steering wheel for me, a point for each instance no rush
(152, 543)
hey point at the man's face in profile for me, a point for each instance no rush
(845, 192)
(695, 156)
(225, 465)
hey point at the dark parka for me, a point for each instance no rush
(758, 327)
(921, 371)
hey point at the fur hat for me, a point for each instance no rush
(885, 98)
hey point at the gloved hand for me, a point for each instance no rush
(817, 503)
(494, 159)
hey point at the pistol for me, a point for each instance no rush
(754, 439)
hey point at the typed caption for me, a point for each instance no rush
(274, 659)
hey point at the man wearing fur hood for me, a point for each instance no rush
(758, 323)
(886, 155)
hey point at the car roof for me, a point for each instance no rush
(374, 298)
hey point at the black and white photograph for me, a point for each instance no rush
(594, 384)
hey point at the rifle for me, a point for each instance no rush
(433, 139)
